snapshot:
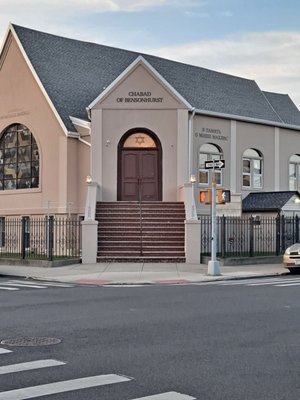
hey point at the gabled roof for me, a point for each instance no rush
(74, 73)
(140, 60)
(284, 107)
(267, 201)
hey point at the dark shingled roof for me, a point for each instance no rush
(74, 73)
(267, 201)
(284, 107)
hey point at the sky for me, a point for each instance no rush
(254, 39)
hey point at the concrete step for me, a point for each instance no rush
(141, 259)
(141, 232)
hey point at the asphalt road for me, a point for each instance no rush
(207, 341)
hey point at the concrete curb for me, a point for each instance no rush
(170, 282)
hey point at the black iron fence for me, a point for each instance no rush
(250, 236)
(45, 238)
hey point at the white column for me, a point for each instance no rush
(96, 148)
(189, 202)
(233, 156)
(277, 161)
(89, 242)
(192, 242)
(90, 226)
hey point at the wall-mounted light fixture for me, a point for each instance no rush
(88, 179)
(192, 178)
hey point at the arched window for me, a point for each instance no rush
(139, 140)
(294, 172)
(19, 159)
(208, 152)
(252, 169)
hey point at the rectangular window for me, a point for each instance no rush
(257, 175)
(203, 173)
(203, 177)
(246, 173)
(218, 177)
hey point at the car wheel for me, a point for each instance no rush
(294, 271)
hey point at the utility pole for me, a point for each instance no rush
(213, 264)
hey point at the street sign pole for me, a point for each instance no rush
(213, 264)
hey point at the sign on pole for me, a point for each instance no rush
(214, 164)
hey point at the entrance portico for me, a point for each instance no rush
(139, 166)
(139, 148)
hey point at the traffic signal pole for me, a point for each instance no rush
(213, 264)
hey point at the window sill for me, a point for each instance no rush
(19, 191)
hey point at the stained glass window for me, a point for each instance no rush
(19, 159)
(139, 140)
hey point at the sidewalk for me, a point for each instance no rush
(140, 273)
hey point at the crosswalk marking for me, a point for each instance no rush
(64, 285)
(168, 396)
(62, 387)
(273, 282)
(26, 366)
(4, 351)
(261, 280)
(8, 288)
(69, 385)
(23, 285)
(276, 282)
(288, 284)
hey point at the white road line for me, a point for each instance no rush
(24, 285)
(168, 396)
(62, 387)
(4, 351)
(8, 288)
(288, 284)
(42, 283)
(26, 366)
(272, 283)
(252, 281)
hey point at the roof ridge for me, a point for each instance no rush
(263, 93)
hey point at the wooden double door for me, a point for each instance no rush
(139, 175)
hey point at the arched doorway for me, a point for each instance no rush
(139, 166)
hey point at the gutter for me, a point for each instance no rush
(190, 139)
(84, 142)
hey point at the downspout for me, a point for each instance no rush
(191, 119)
(84, 142)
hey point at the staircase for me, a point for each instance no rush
(140, 232)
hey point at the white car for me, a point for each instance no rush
(291, 258)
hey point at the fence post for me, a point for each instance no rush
(251, 238)
(223, 236)
(23, 240)
(297, 229)
(278, 235)
(50, 224)
(282, 233)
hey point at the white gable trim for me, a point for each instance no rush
(82, 123)
(11, 28)
(140, 60)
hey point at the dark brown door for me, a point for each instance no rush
(139, 175)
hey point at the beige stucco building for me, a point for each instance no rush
(137, 125)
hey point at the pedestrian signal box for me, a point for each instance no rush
(205, 196)
(223, 196)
